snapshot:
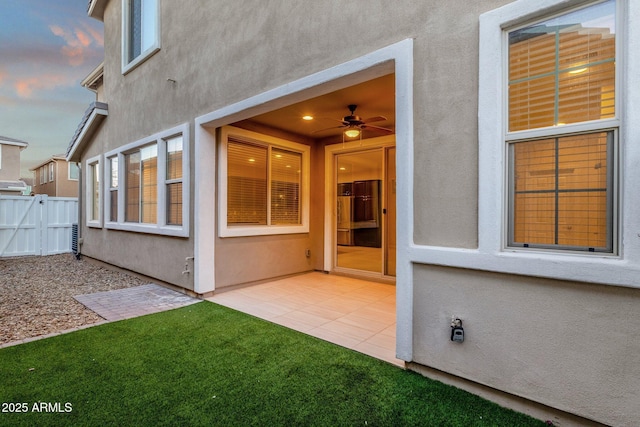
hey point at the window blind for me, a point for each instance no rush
(561, 72)
(132, 190)
(246, 183)
(149, 184)
(174, 181)
(285, 186)
(561, 191)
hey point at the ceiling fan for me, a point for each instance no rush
(354, 124)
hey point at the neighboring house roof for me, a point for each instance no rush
(18, 186)
(93, 116)
(49, 160)
(11, 141)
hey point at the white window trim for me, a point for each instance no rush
(161, 227)
(127, 65)
(226, 230)
(51, 173)
(89, 195)
(596, 268)
(69, 164)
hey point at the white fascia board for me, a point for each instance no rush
(96, 117)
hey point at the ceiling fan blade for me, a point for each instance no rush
(322, 130)
(375, 119)
(378, 128)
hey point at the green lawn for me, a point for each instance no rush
(209, 365)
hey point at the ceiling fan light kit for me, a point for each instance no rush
(355, 125)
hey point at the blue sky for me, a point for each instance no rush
(47, 47)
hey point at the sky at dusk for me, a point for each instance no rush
(47, 47)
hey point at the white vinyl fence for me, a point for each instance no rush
(38, 225)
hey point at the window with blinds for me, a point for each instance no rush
(263, 184)
(147, 184)
(562, 70)
(141, 196)
(285, 186)
(113, 189)
(562, 73)
(173, 180)
(562, 190)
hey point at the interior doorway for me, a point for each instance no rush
(365, 224)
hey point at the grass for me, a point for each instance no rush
(212, 366)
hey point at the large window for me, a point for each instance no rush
(264, 185)
(146, 188)
(140, 31)
(561, 131)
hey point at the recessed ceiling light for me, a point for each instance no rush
(307, 117)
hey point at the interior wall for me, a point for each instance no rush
(241, 260)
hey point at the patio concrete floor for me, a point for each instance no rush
(349, 312)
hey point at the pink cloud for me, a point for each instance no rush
(26, 86)
(77, 43)
(96, 35)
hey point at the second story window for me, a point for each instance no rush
(140, 32)
(562, 131)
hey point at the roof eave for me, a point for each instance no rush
(94, 79)
(49, 160)
(97, 116)
(96, 9)
(16, 142)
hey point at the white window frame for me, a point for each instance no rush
(69, 166)
(619, 269)
(51, 173)
(161, 227)
(226, 230)
(128, 65)
(89, 194)
(552, 132)
(108, 188)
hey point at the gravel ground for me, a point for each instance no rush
(36, 294)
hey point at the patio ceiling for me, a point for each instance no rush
(374, 98)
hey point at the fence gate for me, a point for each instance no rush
(38, 225)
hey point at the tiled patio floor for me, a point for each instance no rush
(353, 313)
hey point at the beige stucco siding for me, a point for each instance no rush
(10, 167)
(565, 344)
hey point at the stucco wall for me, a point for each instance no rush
(10, 168)
(564, 344)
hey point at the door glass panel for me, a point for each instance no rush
(390, 217)
(359, 211)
